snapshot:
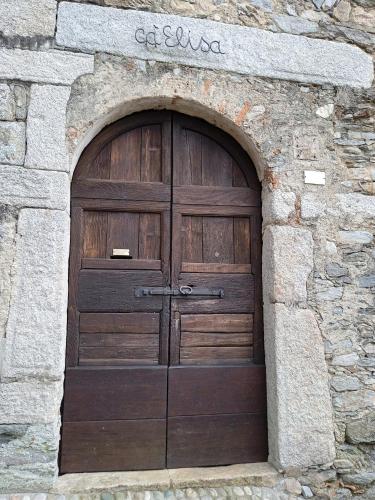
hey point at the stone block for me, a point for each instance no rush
(355, 205)
(349, 359)
(7, 103)
(30, 402)
(295, 25)
(361, 431)
(345, 383)
(216, 45)
(21, 100)
(36, 327)
(46, 148)
(367, 281)
(354, 401)
(332, 293)
(355, 237)
(27, 18)
(312, 207)
(22, 187)
(53, 66)
(278, 206)
(8, 223)
(287, 263)
(300, 375)
(22, 444)
(12, 143)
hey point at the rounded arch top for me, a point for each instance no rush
(130, 143)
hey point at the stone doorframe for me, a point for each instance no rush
(300, 423)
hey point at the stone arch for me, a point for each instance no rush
(195, 108)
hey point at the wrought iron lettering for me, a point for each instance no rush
(176, 37)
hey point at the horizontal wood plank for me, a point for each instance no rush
(113, 291)
(209, 267)
(217, 196)
(118, 352)
(119, 323)
(118, 362)
(115, 393)
(92, 263)
(228, 339)
(119, 190)
(216, 210)
(201, 390)
(216, 440)
(121, 205)
(214, 355)
(118, 340)
(113, 445)
(217, 322)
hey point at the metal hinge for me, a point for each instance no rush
(183, 290)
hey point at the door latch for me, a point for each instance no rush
(183, 290)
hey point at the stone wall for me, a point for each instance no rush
(319, 271)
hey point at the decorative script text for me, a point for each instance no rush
(176, 37)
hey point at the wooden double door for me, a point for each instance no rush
(164, 362)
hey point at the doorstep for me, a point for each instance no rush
(257, 474)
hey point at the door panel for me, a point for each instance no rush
(207, 388)
(216, 403)
(113, 445)
(164, 378)
(216, 440)
(113, 394)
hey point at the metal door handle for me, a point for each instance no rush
(183, 290)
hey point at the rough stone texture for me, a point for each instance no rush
(361, 431)
(21, 187)
(92, 28)
(278, 206)
(8, 224)
(29, 453)
(37, 316)
(29, 402)
(50, 67)
(7, 103)
(12, 143)
(311, 206)
(293, 338)
(46, 128)
(287, 263)
(27, 17)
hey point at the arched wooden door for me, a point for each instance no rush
(165, 364)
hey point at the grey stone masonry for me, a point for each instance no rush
(12, 143)
(211, 45)
(22, 187)
(46, 128)
(27, 17)
(37, 315)
(46, 66)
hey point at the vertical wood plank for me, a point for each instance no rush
(256, 260)
(94, 234)
(151, 168)
(216, 164)
(241, 236)
(149, 236)
(165, 254)
(126, 156)
(239, 180)
(192, 235)
(194, 157)
(218, 239)
(123, 232)
(76, 238)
